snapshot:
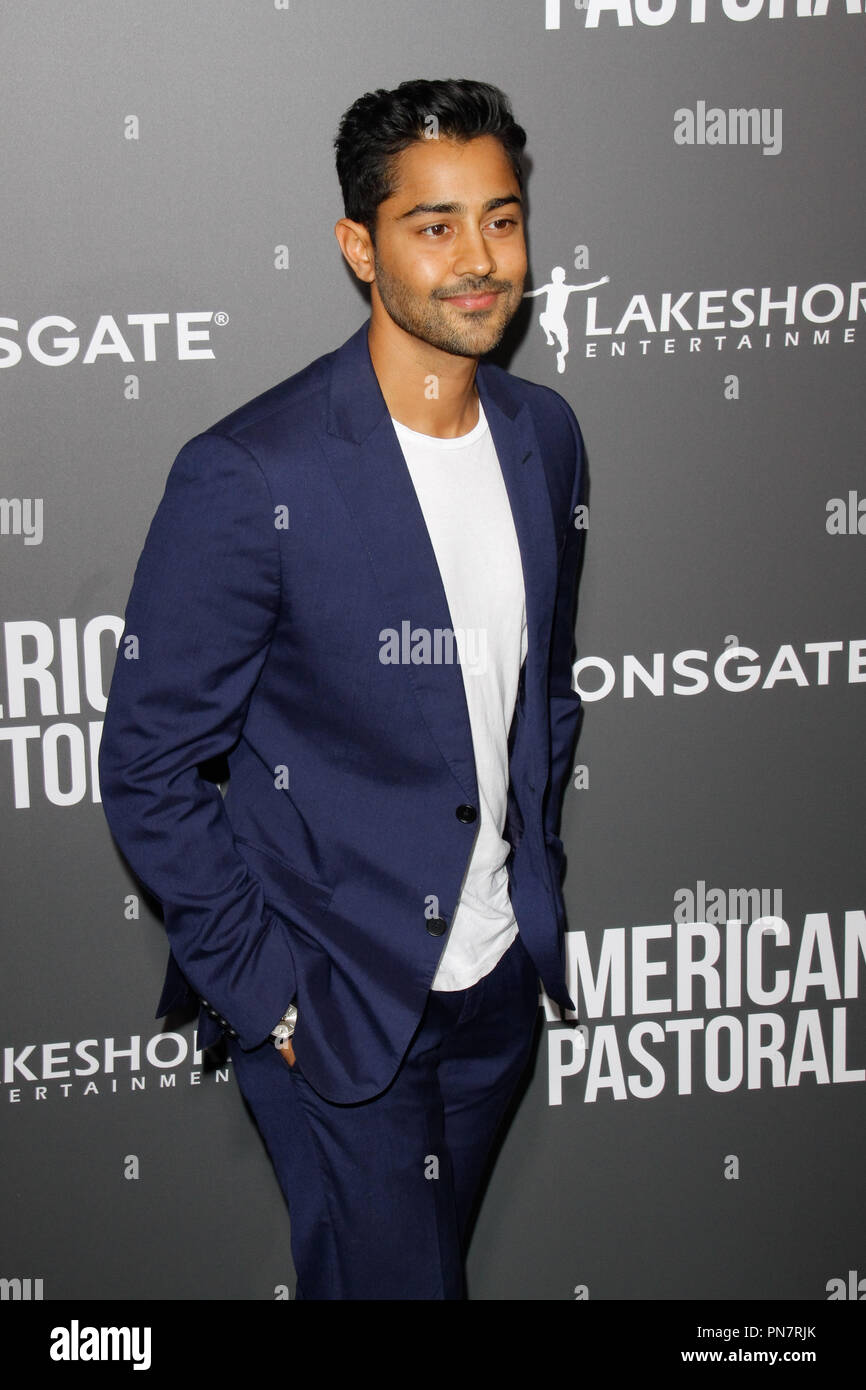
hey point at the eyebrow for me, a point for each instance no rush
(458, 209)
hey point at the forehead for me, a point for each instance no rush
(450, 171)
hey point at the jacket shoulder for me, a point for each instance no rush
(303, 395)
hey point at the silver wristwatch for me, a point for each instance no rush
(286, 1027)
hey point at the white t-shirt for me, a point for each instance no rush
(462, 494)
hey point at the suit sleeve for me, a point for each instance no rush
(199, 622)
(564, 700)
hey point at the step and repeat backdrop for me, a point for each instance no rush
(696, 208)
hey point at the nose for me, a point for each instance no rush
(474, 255)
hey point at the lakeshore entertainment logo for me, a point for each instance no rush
(698, 321)
(715, 1042)
(711, 321)
(624, 14)
(163, 1062)
(53, 340)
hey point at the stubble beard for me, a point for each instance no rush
(432, 321)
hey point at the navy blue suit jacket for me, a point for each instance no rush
(342, 842)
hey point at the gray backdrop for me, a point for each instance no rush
(168, 199)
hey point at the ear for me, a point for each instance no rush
(357, 248)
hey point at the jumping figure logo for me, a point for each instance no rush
(552, 316)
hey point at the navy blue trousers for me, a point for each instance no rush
(381, 1193)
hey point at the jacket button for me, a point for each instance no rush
(466, 814)
(437, 926)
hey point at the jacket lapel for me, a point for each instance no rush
(364, 454)
(522, 467)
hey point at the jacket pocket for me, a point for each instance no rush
(288, 892)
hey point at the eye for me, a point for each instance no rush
(502, 223)
(435, 228)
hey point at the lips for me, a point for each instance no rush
(474, 301)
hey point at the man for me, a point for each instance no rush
(360, 588)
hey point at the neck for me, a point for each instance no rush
(430, 391)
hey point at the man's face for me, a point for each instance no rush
(450, 254)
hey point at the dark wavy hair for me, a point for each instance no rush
(381, 124)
